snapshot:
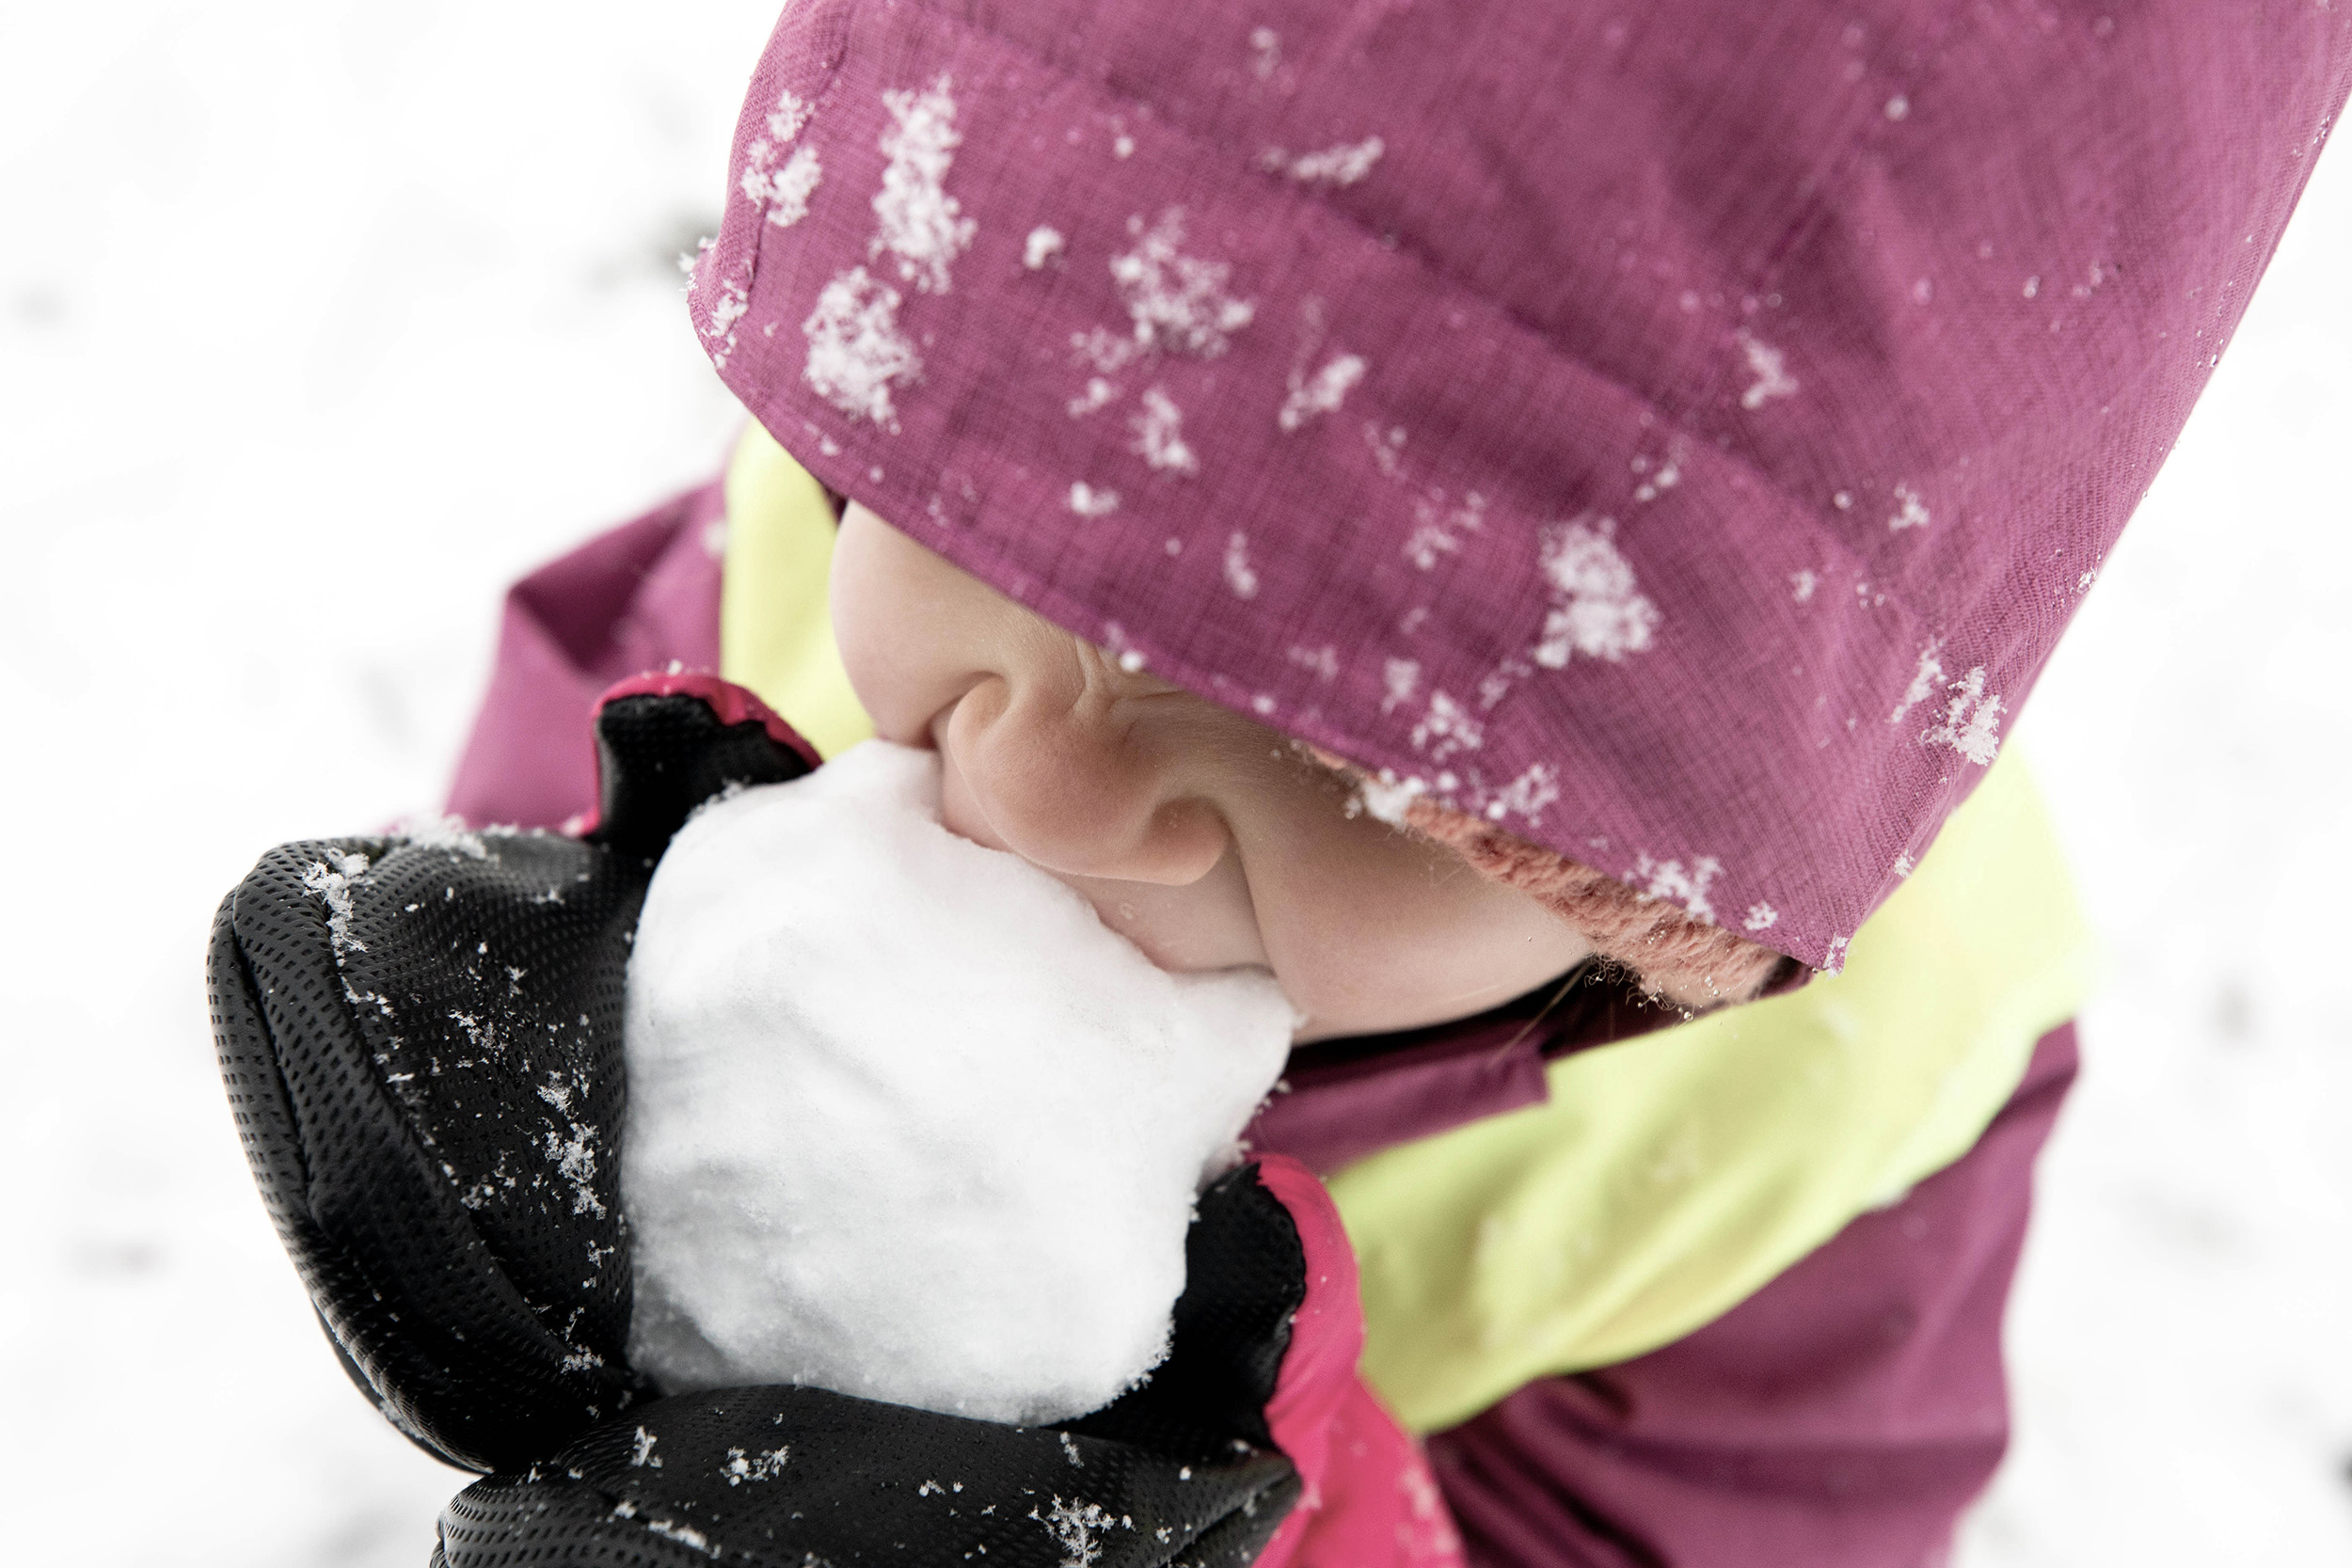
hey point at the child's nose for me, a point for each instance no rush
(1072, 777)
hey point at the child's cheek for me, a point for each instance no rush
(1396, 937)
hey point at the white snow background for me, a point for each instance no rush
(319, 323)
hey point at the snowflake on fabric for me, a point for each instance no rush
(1043, 246)
(1179, 304)
(1438, 528)
(732, 303)
(1496, 684)
(1667, 474)
(1771, 369)
(685, 1535)
(1106, 351)
(741, 1466)
(1442, 525)
(1972, 721)
(1972, 717)
(1100, 392)
(1910, 511)
(1447, 727)
(1324, 662)
(1239, 575)
(1159, 432)
(1524, 796)
(482, 1034)
(1923, 679)
(916, 219)
(1669, 880)
(1599, 610)
(1321, 394)
(1076, 1529)
(572, 1153)
(1398, 678)
(446, 834)
(331, 880)
(856, 351)
(1344, 165)
(778, 185)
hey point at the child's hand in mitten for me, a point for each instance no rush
(422, 1041)
(1190, 1467)
(422, 1038)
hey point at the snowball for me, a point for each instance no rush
(906, 1120)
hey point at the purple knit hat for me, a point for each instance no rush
(1669, 442)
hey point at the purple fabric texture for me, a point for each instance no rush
(1840, 1418)
(1679, 434)
(638, 598)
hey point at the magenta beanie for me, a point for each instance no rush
(1667, 440)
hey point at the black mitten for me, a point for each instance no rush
(422, 1041)
(1180, 1472)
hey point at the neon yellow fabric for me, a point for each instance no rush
(1669, 1176)
(776, 625)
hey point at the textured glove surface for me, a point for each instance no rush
(422, 1043)
(422, 1046)
(1179, 1471)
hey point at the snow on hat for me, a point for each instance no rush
(1668, 444)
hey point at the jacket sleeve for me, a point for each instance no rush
(1843, 1415)
(637, 598)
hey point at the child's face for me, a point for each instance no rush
(1207, 839)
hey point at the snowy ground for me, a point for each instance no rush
(319, 322)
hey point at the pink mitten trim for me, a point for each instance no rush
(732, 703)
(1370, 1500)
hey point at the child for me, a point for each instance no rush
(1533, 524)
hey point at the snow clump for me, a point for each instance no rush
(856, 348)
(1598, 609)
(914, 217)
(1179, 303)
(1344, 165)
(906, 1120)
